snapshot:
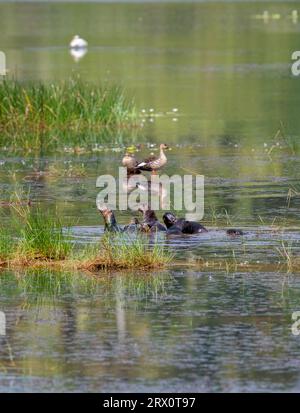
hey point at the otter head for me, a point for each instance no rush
(148, 214)
(105, 212)
(169, 219)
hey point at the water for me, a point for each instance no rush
(201, 331)
(188, 327)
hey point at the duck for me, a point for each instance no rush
(110, 222)
(175, 225)
(78, 43)
(154, 163)
(130, 162)
(150, 221)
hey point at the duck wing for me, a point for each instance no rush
(146, 164)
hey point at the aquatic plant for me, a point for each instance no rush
(286, 252)
(71, 170)
(218, 217)
(121, 251)
(6, 245)
(41, 240)
(50, 116)
(43, 237)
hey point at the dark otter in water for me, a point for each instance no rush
(150, 221)
(133, 226)
(110, 223)
(180, 225)
(234, 232)
(177, 225)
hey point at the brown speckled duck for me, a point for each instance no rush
(129, 161)
(154, 163)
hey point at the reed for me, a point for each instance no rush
(41, 240)
(50, 116)
(122, 251)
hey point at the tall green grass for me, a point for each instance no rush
(6, 244)
(43, 237)
(35, 115)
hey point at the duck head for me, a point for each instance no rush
(163, 146)
(128, 160)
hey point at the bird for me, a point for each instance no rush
(78, 43)
(153, 163)
(129, 161)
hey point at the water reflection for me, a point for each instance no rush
(181, 337)
(78, 54)
(186, 329)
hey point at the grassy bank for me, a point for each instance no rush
(50, 116)
(40, 240)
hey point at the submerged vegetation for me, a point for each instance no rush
(40, 240)
(36, 116)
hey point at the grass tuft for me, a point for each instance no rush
(124, 252)
(41, 240)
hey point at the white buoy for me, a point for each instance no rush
(78, 43)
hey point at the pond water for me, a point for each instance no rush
(237, 123)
